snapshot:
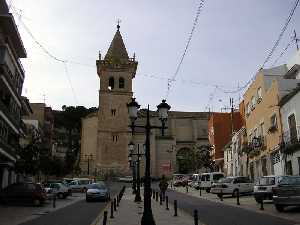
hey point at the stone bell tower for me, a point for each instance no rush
(116, 72)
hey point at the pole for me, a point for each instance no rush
(134, 179)
(138, 180)
(147, 218)
(88, 165)
(296, 39)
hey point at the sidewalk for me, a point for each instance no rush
(246, 202)
(130, 213)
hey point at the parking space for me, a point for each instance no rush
(246, 201)
(13, 215)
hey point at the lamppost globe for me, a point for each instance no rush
(133, 107)
(163, 109)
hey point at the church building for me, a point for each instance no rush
(105, 134)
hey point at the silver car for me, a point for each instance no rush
(97, 191)
(287, 193)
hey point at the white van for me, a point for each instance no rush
(207, 179)
(195, 181)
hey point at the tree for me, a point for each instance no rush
(203, 157)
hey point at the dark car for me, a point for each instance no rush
(287, 193)
(97, 191)
(26, 193)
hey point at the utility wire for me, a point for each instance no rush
(186, 47)
(281, 33)
(283, 51)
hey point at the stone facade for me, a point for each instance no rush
(105, 135)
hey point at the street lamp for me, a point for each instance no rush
(88, 157)
(137, 164)
(132, 165)
(163, 109)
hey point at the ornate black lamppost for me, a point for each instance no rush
(137, 163)
(88, 157)
(163, 109)
(132, 165)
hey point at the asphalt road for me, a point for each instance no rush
(212, 213)
(79, 213)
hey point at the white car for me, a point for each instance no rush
(263, 188)
(58, 189)
(207, 179)
(232, 185)
(80, 184)
(127, 179)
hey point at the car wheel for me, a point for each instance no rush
(84, 190)
(207, 190)
(279, 208)
(219, 195)
(37, 202)
(235, 193)
(60, 195)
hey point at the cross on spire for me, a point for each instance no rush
(118, 24)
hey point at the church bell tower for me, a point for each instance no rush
(116, 72)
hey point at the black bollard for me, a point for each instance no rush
(54, 201)
(175, 207)
(118, 201)
(156, 196)
(262, 205)
(167, 203)
(160, 198)
(238, 197)
(153, 193)
(111, 210)
(221, 195)
(200, 192)
(115, 204)
(104, 217)
(187, 189)
(196, 217)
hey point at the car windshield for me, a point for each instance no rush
(290, 180)
(226, 180)
(96, 186)
(217, 177)
(266, 181)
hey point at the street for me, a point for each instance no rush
(214, 213)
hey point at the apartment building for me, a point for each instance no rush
(11, 83)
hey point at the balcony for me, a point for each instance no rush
(291, 141)
(255, 146)
(15, 120)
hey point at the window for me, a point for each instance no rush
(261, 128)
(115, 138)
(289, 168)
(111, 83)
(273, 120)
(259, 95)
(121, 82)
(293, 128)
(113, 112)
(248, 110)
(253, 102)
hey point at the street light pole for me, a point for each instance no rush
(163, 108)
(138, 183)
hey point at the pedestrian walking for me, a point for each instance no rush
(163, 186)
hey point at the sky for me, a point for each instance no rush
(228, 46)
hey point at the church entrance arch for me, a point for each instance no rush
(185, 161)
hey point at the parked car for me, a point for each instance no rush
(231, 185)
(207, 179)
(263, 188)
(58, 189)
(287, 193)
(127, 179)
(195, 183)
(97, 191)
(27, 193)
(80, 184)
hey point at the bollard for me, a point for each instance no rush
(156, 196)
(175, 207)
(104, 217)
(196, 217)
(200, 191)
(118, 200)
(111, 210)
(262, 205)
(238, 197)
(187, 189)
(54, 201)
(167, 203)
(153, 193)
(221, 195)
(115, 204)
(160, 198)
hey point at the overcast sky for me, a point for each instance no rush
(231, 41)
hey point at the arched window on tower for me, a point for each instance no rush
(111, 83)
(121, 82)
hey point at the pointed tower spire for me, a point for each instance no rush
(117, 49)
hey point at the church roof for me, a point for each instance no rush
(117, 49)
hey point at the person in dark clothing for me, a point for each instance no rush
(163, 186)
